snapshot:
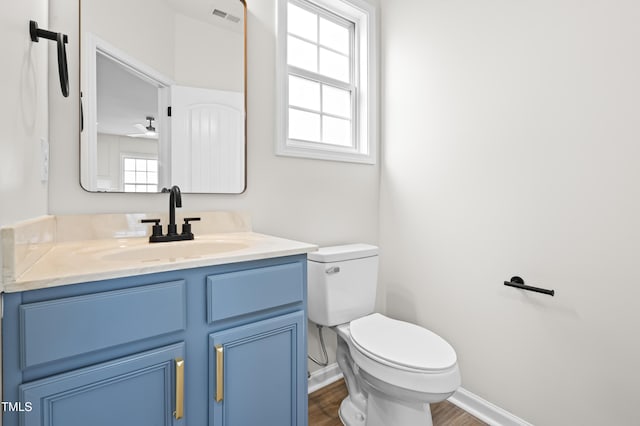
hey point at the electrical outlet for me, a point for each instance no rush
(44, 169)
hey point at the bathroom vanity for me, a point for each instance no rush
(208, 339)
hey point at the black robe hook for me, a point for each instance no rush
(61, 40)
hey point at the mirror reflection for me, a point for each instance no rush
(163, 95)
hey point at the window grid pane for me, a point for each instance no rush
(302, 54)
(302, 23)
(328, 52)
(334, 65)
(336, 101)
(336, 131)
(325, 118)
(334, 36)
(323, 61)
(305, 125)
(140, 175)
(304, 93)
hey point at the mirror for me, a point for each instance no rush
(163, 95)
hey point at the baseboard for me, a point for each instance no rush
(324, 377)
(484, 410)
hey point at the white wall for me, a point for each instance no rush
(23, 112)
(310, 200)
(511, 147)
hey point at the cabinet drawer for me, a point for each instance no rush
(243, 292)
(58, 329)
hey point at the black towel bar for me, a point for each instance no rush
(61, 40)
(518, 282)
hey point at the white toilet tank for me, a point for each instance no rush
(341, 283)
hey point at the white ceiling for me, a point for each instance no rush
(124, 98)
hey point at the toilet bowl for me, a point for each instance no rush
(393, 369)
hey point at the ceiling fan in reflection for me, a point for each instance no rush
(147, 132)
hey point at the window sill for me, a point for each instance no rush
(346, 155)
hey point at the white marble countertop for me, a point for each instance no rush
(83, 261)
(40, 261)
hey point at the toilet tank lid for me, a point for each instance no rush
(343, 252)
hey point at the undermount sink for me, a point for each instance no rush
(173, 251)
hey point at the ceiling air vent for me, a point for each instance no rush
(224, 15)
(220, 13)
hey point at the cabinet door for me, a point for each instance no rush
(139, 390)
(258, 373)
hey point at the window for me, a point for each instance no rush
(327, 80)
(140, 174)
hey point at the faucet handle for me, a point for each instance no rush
(156, 230)
(186, 227)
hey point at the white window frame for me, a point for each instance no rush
(365, 117)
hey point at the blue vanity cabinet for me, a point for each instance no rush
(138, 350)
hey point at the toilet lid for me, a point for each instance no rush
(402, 343)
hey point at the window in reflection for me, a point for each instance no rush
(140, 174)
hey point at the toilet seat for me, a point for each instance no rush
(401, 345)
(433, 381)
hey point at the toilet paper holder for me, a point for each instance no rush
(518, 282)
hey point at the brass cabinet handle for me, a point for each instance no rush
(179, 389)
(219, 373)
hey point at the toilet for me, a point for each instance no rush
(393, 369)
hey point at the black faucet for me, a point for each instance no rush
(175, 200)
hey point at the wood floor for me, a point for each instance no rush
(324, 404)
